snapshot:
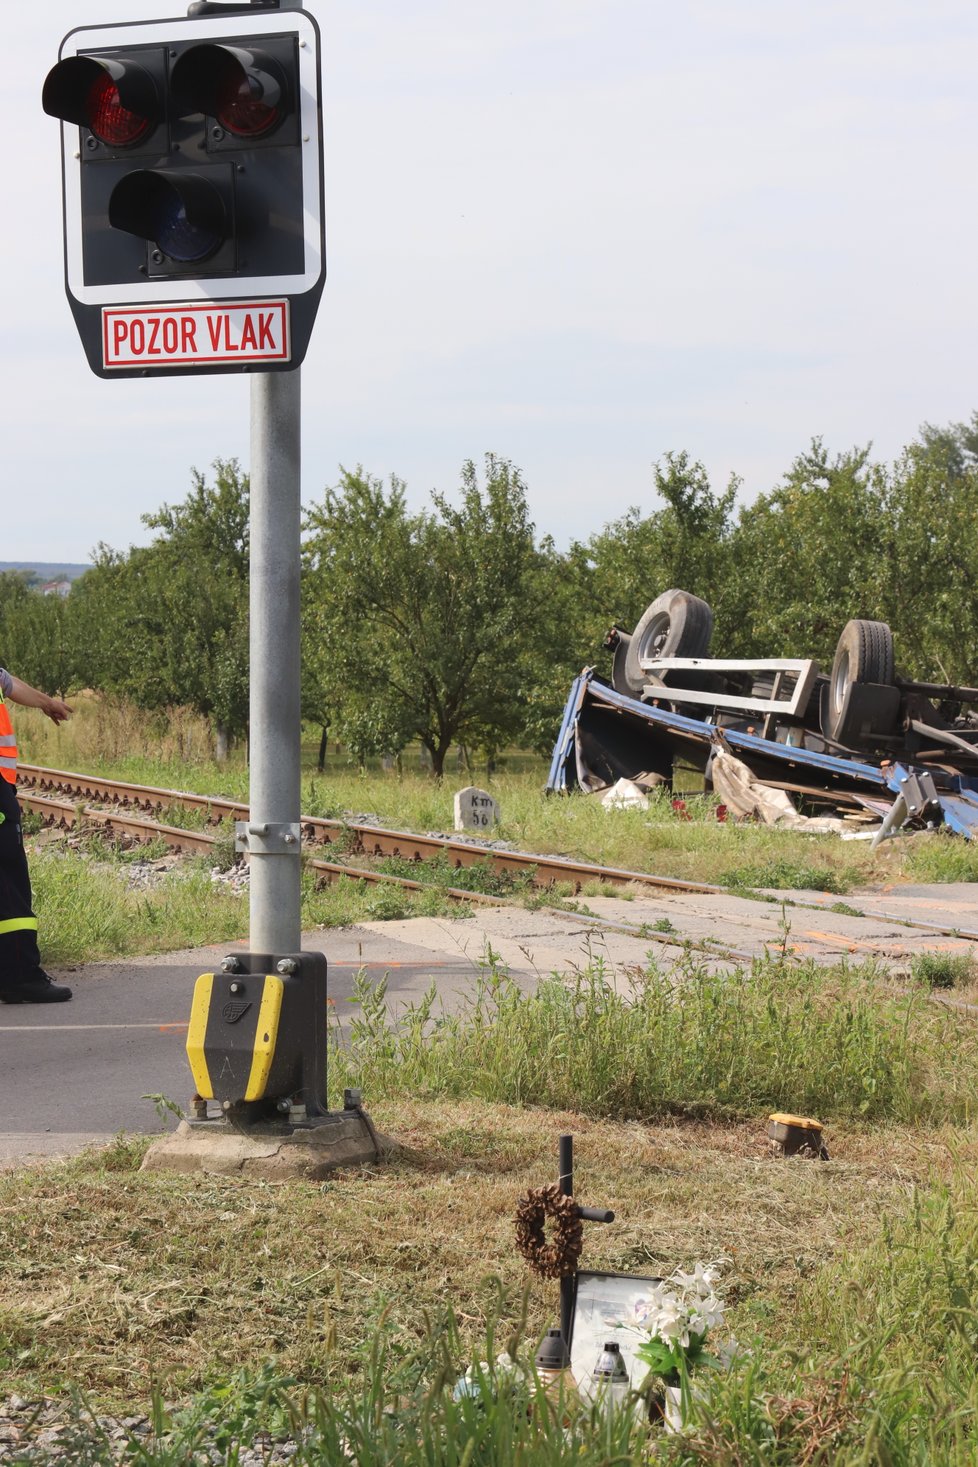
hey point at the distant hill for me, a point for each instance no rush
(46, 570)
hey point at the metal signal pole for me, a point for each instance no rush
(274, 777)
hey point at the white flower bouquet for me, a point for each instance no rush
(678, 1316)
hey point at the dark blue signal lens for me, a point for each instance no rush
(182, 213)
(178, 236)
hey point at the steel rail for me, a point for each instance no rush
(70, 817)
(114, 791)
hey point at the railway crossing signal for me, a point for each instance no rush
(193, 202)
(195, 242)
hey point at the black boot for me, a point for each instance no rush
(37, 987)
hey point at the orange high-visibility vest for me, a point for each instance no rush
(8, 745)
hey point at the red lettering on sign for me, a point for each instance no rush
(194, 335)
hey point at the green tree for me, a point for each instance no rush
(930, 568)
(684, 544)
(14, 592)
(38, 643)
(956, 445)
(423, 625)
(807, 557)
(167, 623)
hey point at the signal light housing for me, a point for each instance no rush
(192, 162)
(244, 92)
(114, 97)
(184, 215)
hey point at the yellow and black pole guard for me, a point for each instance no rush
(257, 1036)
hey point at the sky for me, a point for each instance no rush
(574, 233)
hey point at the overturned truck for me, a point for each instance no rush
(862, 736)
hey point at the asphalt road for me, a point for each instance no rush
(76, 1073)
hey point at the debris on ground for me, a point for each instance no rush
(625, 794)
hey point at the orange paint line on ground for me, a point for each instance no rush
(850, 943)
(941, 903)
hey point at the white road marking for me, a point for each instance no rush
(72, 1028)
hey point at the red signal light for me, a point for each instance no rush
(241, 109)
(113, 96)
(111, 122)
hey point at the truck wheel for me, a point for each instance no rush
(864, 655)
(676, 624)
(618, 679)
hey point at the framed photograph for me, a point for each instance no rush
(608, 1306)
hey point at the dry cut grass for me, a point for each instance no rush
(112, 1278)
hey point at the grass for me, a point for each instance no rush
(943, 857)
(338, 1313)
(943, 970)
(837, 1044)
(88, 909)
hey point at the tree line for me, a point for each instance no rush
(457, 624)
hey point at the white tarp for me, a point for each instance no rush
(747, 798)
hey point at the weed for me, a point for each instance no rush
(844, 910)
(223, 855)
(942, 970)
(477, 878)
(776, 1035)
(182, 817)
(164, 1106)
(124, 1153)
(786, 875)
(102, 846)
(387, 904)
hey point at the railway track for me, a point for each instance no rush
(68, 800)
(38, 786)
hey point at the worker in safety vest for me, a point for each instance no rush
(22, 979)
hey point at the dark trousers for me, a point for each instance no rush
(19, 955)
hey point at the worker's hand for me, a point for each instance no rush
(56, 709)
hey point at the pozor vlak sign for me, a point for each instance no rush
(193, 191)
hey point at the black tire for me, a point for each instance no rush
(618, 665)
(676, 624)
(864, 655)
